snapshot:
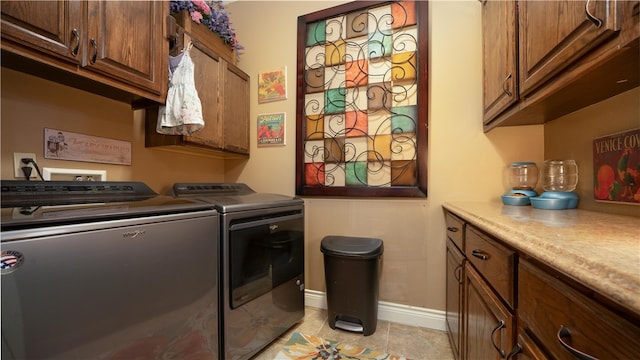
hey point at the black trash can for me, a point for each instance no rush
(351, 269)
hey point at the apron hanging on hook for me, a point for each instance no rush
(182, 113)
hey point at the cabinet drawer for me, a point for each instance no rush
(547, 305)
(493, 261)
(455, 229)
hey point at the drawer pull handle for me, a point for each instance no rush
(597, 22)
(457, 272)
(479, 254)
(493, 342)
(76, 37)
(94, 44)
(452, 229)
(504, 86)
(515, 351)
(565, 333)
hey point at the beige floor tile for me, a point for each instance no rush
(419, 343)
(415, 343)
(270, 351)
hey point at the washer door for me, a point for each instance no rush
(263, 255)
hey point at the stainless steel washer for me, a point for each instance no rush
(97, 270)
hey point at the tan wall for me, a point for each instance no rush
(464, 163)
(571, 137)
(30, 104)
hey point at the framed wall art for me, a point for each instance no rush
(272, 85)
(361, 106)
(67, 145)
(616, 167)
(271, 129)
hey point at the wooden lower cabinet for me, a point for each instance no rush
(489, 326)
(567, 324)
(526, 349)
(511, 306)
(455, 299)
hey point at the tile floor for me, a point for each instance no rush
(412, 342)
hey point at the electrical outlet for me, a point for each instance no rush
(18, 164)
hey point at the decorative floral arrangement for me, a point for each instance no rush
(211, 14)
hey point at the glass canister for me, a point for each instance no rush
(523, 175)
(559, 175)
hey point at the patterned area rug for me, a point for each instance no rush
(307, 347)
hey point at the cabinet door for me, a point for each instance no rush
(553, 34)
(455, 298)
(499, 46)
(489, 325)
(53, 27)
(124, 41)
(207, 70)
(236, 110)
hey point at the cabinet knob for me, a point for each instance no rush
(565, 333)
(76, 37)
(452, 229)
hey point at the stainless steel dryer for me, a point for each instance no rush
(107, 270)
(262, 263)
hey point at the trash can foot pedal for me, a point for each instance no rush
(349, 326)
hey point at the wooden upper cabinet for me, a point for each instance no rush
(553, 34)
(52, 26)
(223, 90)
(123, 38)
(500, 45)
(546, 59)
(112, 48)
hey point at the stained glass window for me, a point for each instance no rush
(362, 100)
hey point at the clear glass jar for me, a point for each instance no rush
(559, 175)
(523, 175)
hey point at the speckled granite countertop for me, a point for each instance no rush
(601, 251)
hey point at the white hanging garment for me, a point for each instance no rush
(182, 113)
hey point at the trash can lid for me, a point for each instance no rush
(350, 246)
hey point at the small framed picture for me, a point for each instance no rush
(272, 85)
(616, 168)
(271, 129)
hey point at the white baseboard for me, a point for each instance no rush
(397, 313)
